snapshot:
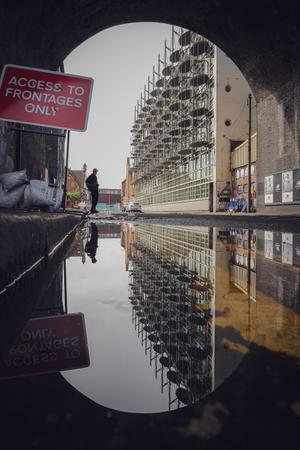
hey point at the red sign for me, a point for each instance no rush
(45, 98)
(48, 344)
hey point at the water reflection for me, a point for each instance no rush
(178, 311)
(241, 244)
(170, 311)
(172, 295)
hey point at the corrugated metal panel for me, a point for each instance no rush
(239, 156)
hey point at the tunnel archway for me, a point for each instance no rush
(260, 37)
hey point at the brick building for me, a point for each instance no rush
(128, 191)
(109, 199)
(76, 184)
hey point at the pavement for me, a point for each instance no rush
(278, 222)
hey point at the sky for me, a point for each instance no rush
(119, 60)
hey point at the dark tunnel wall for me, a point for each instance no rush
(261, 37)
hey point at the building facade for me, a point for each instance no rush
(239, 163)
(128, 187)
(192, 109)
(109, 200)
(76, 185)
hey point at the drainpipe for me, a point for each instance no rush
(249, 154)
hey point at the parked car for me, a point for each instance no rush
(133, 207)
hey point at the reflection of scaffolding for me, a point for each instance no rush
(173, 136)
(172, 309)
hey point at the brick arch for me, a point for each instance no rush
(261, 36)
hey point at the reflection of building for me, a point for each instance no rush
(172, 293)
(241, 259)
(191, 113)
(278, 274)
(237, 242)
(109, 230)
(127, 239)
(77, 246)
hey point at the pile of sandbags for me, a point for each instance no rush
(58, 198)
(16, 189)
(39, 194)
(12, 187)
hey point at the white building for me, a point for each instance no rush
(192, 113)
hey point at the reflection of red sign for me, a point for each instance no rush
(41, 97)
(48, 344)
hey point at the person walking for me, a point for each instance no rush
(92, 185)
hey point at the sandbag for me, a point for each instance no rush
(3, 154)
(40, 194)
(11, 180)
(11, 198)
(26, 197)
(58, 196)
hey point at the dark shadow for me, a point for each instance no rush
(18, 302)
(255, 408)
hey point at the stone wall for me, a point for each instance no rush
(278, 140)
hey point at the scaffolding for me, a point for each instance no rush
(173, 136)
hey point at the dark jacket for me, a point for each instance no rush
(92, 183)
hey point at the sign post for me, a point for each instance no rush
(249, 154)
(66, 171)
(45, 98)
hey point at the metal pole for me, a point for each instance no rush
(66, 170)
(249, 153)
(18, 147)
(65, 287)
(250, 234)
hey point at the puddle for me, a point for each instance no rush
(149, 318)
